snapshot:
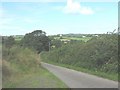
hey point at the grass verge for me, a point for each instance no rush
(40, 78)
(110, 76)
(21, 68)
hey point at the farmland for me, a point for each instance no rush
(18, 37)
(68, 37)
(76, 38)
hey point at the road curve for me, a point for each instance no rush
(76, 79)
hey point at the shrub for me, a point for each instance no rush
(19, 60)
(92, 55)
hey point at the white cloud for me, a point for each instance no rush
(86, 10)
(76, 8)
(46, 1)
(43, 1)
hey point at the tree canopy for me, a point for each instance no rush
(36, 40)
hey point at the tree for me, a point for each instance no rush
(36, 40)
(8, 41)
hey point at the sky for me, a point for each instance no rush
(58, 16)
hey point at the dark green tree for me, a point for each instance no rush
(36, 40)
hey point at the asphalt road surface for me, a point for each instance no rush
(76, 79)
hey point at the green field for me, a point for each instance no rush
(73, 38)
(18, 37)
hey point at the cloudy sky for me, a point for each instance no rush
(58, 16)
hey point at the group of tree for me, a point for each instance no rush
(20, 57)
(99, 53)
(36, 40)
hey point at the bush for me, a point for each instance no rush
(99, 53)
(18, 61)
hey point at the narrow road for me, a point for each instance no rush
(75, 79)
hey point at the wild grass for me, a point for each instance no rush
(21, 69)
(16, 62)
(41, 78)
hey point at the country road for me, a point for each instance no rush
(75, 79)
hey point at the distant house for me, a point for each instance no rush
(53, 46)
(83, 36)
(60, 35)
(65, 42)
(95, 35)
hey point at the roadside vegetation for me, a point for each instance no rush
(98, 55)
(89, 53)
(21, 65)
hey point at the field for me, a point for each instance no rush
(75, 38)
(65, 38)
(18, 37)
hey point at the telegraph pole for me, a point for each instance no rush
(49, 45)
(118, 30)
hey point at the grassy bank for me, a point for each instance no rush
(41, 78)
(22, 69)
(97, 73)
